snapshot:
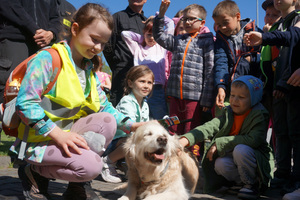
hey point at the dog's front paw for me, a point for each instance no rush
(123, 198)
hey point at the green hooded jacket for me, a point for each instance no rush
(253, 133)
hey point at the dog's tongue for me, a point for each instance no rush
(159, 157)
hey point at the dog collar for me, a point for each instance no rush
(161, 174)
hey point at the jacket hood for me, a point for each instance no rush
(255, 87)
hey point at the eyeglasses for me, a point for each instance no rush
(190, 19)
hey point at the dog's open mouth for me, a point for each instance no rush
(155, 157)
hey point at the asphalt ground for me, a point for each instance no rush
(11, 188)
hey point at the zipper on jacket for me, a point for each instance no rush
(183, 60)
(35, 16)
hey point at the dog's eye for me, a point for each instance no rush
(148, 134)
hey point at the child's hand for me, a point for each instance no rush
(68, 139)
(183, 141)
(267, 27)
(136, 125)
(220, 98)
(211, 152)
(163, 8)
(205, 109)
(277, 94)
(253, 38)
(294, 80)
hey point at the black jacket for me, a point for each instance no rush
(65, 11)
(229, 66)
(19, 19)
(288, 59)
(291, 40)
(116, 51)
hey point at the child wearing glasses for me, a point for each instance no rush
(190, 84)
(232, 57)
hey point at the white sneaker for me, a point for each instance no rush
(109, 172)
(292, 196)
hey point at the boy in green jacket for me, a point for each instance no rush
(238, 153)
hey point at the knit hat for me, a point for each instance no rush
(255, 87)
(266, 4)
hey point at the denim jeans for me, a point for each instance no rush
(157, 102)
(238, 166)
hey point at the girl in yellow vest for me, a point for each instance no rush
(68, 129)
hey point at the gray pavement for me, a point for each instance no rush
(11, 188)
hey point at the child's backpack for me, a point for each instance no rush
(10, 119)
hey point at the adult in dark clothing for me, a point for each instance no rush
(25, 27)
(65, 12)
(116, 52)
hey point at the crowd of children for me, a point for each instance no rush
(244, 76)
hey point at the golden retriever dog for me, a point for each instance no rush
(158, 168)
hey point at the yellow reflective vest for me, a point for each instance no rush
(68, 104)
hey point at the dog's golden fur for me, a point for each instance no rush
(156, 169)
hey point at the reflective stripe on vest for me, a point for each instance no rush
(69, 102)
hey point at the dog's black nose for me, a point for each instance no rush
(162, 140)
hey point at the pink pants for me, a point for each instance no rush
(78, 168)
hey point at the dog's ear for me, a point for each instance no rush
(129, 147)
(175, 144)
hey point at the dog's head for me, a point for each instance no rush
(151, 143)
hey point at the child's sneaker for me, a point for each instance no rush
(80, 191)
(292, 196)
(109, 172)
(249, 192)
(234, 189)
(34, 185)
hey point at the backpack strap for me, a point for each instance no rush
(56, 67)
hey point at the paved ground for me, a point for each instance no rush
(11, 188)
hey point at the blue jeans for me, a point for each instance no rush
(287, 131)
(238, 166)
(157, 102)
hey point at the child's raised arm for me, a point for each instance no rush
(163, 8)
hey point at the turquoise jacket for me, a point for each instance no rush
(130, 107)
(253, 133)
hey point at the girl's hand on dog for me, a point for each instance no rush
(68, 140)
(136, 125)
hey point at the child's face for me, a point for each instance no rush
(272, 15)
(149, 39)
(285, 6)
(180, 29)
(191, 21)
(240, 100)
(90, 40)
(227, 24)
(142, 86)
